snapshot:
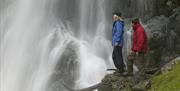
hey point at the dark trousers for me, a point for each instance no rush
(139, 61)
(118, 58)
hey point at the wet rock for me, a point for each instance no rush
(119, 84)
(178, 49)
(156, 29)
(175, 22)
(164, 38)
(151, 70)
(113, 82)
(169, 66)
(66, 69)
(142, 86)
(124, 84)
(156, 24)
(138, 82)
(106, 84)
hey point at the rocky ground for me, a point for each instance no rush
(118, 82)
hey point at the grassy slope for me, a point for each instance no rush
(169, 81)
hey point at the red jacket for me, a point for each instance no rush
(139, 39)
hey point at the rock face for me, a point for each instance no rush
(166, 7)
(163, 34)
(174, 26)
(129, 8)
(145, 9)
(156, 29)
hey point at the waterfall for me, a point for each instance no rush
(46, 44)
(41, 49)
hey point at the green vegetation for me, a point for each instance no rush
(168, 81)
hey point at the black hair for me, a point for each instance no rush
(135, 21)
(118, 13)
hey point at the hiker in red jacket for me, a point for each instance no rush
(139, 38)
(139, 48)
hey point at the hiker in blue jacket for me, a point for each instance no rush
(117, 41)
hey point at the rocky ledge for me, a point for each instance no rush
(118, 82)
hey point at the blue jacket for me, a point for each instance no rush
(117, 33)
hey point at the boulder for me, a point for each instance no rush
(142, 86)
(66, 70)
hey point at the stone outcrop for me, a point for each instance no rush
(118, 82)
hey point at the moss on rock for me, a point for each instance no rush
(168, 81)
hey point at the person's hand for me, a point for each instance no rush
(131, 57)
(137, 53)
(133, 53)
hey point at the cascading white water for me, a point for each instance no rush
(23, 62)
(32, 43)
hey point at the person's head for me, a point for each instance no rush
(116, 15)
(135, 21)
